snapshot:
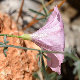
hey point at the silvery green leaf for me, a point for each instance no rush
(39, 13)
(47, 57)
(4, 50)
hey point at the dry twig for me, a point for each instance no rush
(20, 11)
(1, 25)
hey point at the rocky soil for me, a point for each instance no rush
(19, 64)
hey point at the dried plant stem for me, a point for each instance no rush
(35, 21)
(20, 10)
(61, 3)
(58, 5)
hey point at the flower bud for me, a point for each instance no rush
(26, 36)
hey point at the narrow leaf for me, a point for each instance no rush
(51, 76)
(35, 74)
(39, 13)
(43, 68)
(4, 50)
(47, 57)
(5, 36)
(6, 42)
(39, 62)
(18, 47)
(44, 8)
(41, 18)
(71, 56)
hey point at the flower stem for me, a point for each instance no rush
(18, 47)
(10, 35)
(24, 36)
(71, 56)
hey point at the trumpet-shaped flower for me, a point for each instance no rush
(51, 37)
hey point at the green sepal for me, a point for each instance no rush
(26, 36)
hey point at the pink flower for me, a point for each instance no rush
(51, 37)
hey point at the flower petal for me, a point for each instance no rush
(51, 37)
